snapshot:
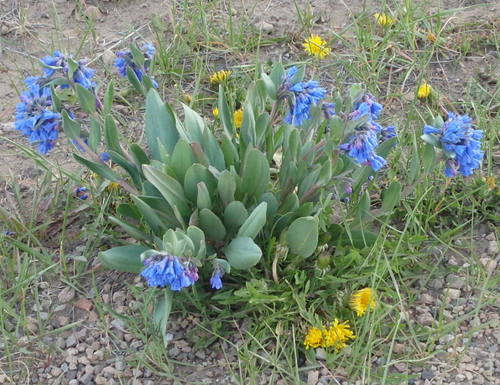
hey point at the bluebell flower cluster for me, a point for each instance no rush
(167, 270)
(81, 193)
(362, 145)
(328, 110)
(34, 118)
(58, 63)
(125, 60)
(216, 279)
(301, 97)
(461, 144)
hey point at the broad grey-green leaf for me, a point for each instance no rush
(160, 125)
(235, 215)
(195, 174)
(391, 197)
(169, 187)
(182, 158)
(302, 236)
(124, 258)
(255, 222)
(242, 253)
(211, 225)
(203, 200)
(226, 186)
(255, 173)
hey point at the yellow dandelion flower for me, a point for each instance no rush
(361, 300)
(384, 19)
(337, 335)
(431, 37)
(187, 98)
(215, 112)
(113, 186)
(220, 76)
(424, 91)
(313, 338)
(491, 182)
(238, 118)
(316, 46)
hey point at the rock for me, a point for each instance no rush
(451, 293)
(436, 284)
(399, 348)
(173, 352)
(73, 382)
(55, 371)
(312, 377)
(427, 298)
(84, 304)
(93, 13)
(401, 367)
(427, 374)
(66, 294)
(425, 319)
(71, 341)
(455, 282)
(493, 247)
(200, 354)
(320, 354)
(489, 264)
(99, 380)
(264, 26)
(62, 320)
(118, 324)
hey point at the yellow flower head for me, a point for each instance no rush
(491, 182)
(337, 335)
(384, 19)
(215, 112)
(431, 37)
(316, 46)
(313, 338)
(220, 76)
(424, 91)
(238, 118)
(361, 300)
(187, 98)
(113, 186)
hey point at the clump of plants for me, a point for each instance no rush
(217, 203)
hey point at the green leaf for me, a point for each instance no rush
(428, 158)
(197, 236)
(213, 151)
(139, 155)
(161, 314)
(99, 168)
(137, 54)
(134, 80)
(272, 204)
(363, 207)
(194, 124)
(242, 253)
(131, 230)
(86, 99)
(302, 236)
(358, 238)
(94, 134)
(226, 185)
(270, 86)
(230, 152)
(255, 222)
(247, 132)
(431, 139)
(195, 174)
(211, 225)
(150, 216)
(111, 136)
(235, 215)
(108, 98)
(128, 210)
(130, 168)
(203, 201)
(56, 102)
(124, 258)
(71, 128)
(224, 113)
(169, 187)
(160, 125)
(277, 73)
(290, 204)
(255, 173)
(391, 197)
(356, 92)
(182, 158)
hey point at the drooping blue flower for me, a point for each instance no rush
(58, 63)
(461, 144)
(167, 270)
(306, 94)
(369, 104)
(328, 110)
(361, 147)
(387, 133)
(81, 193)
(216, 279)
(34, 118)
(104, 157)
(125, 59)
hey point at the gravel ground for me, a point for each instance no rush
(98, 349)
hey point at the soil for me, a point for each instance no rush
(93, 354)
